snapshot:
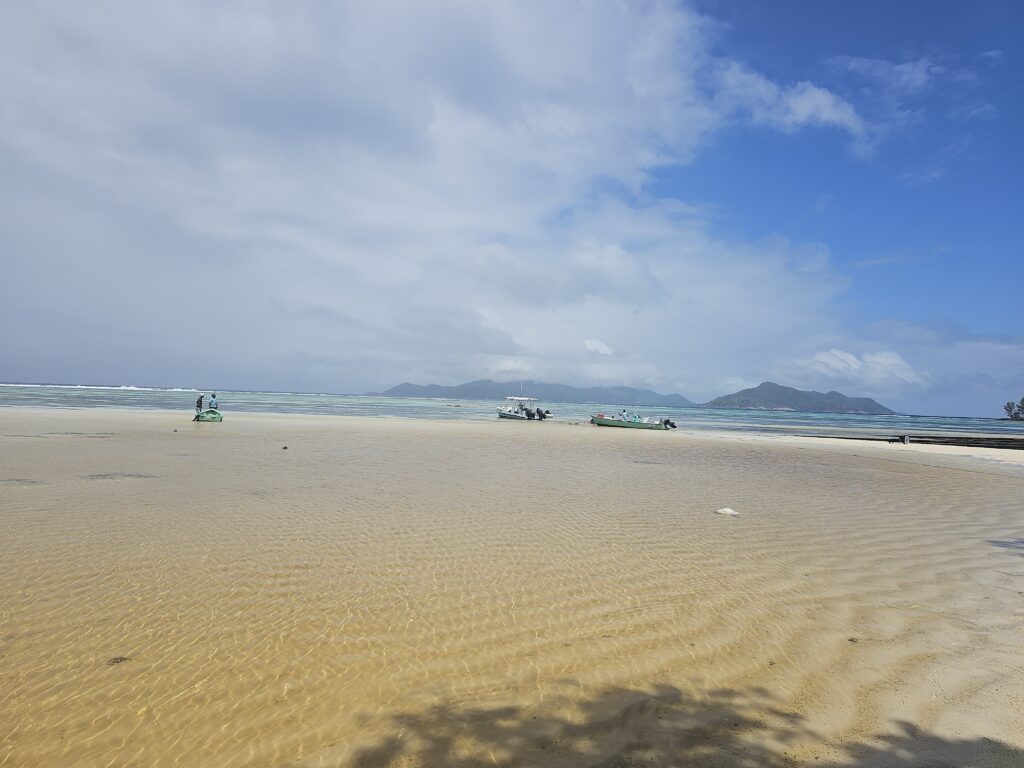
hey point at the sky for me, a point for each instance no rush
(691, 197)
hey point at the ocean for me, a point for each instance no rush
(153, 398)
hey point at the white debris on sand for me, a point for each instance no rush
(727, 511)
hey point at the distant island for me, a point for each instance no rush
(774, 397)
(485, 389)
(767, 396)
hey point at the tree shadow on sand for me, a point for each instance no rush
(622, 728)
(1013, 545)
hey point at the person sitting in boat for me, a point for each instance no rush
(213, 401)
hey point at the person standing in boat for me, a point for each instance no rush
(213, 401)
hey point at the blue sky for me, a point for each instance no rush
(691, 197)
(935, 199)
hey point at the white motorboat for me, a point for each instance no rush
(522, 409)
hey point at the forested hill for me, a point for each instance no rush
(772, 396)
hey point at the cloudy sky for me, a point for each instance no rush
(691, 197)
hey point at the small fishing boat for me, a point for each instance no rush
(210, 414)
(631, 422)
(522, 409)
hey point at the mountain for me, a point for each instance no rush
(774, 397)
(485, 389)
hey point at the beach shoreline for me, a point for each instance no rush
(153, 416)
(303, 590)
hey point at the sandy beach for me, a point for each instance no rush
(305, 591)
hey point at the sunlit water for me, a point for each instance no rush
(429, 408)
(443, 593)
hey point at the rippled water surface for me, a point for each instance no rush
(194, 594)
(426, 408)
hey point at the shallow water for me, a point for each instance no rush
(419, 594)
(480, 410)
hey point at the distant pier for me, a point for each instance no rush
(971, 441)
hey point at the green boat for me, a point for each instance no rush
(645, 423)
(210, 414)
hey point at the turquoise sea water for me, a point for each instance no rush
(26, 395)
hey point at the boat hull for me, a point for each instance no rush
(606, 422)
(210, 414)
(522, 409)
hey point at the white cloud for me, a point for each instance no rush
(925, 97)
(744, 91)
(340, 197)
(347, 196)
(907, 77)
(916, 369)
(594, 345)
(896, 97)
(877, 370)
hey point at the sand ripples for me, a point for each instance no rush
(285, 607)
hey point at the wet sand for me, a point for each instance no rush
(412, 593)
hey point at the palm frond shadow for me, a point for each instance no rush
(660, 727)
(1014, 545)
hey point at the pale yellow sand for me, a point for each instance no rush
(389, 592)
